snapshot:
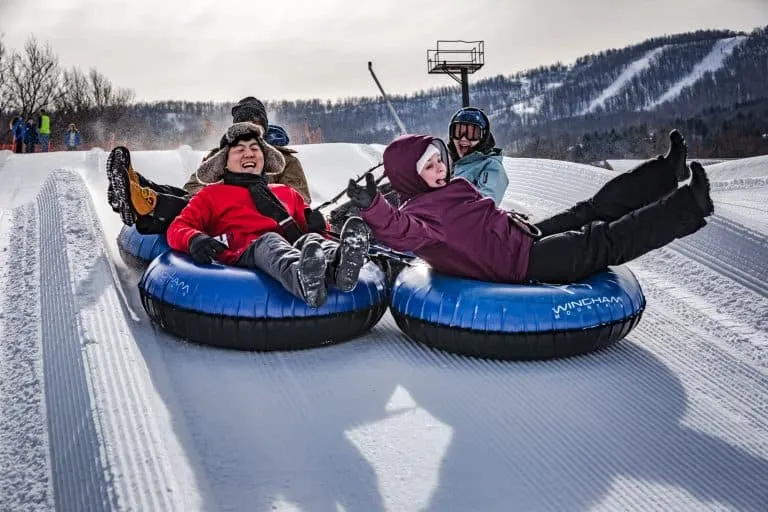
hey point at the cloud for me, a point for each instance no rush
(196, 49)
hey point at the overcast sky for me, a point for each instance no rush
(222, 50)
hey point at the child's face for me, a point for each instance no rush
(434, 172)
(464, 146)
(246, 157)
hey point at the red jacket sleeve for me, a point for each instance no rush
(194, 219)
(401, 231)
(298, 206)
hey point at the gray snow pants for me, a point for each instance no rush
(272, 254)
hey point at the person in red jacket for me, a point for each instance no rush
(243, 221)
(451, 226)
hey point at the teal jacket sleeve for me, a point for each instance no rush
(493, 180)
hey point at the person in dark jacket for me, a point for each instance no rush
(30, 136)
(451, 226)
(152, 207)
(17, 128)
(246, 222)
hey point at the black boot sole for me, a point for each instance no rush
(119, 190)
(354, 242)
(312, 266)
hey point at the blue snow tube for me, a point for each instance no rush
(516, 322)
(138, 250)
(247, 310)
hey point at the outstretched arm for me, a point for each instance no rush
(398, 230)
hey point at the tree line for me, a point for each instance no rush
(32, 78)
(538, 112)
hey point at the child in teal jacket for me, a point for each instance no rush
(471, 145)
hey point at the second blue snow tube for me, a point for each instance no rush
(516, 322)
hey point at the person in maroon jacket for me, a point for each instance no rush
(451, 226)
(243, 221)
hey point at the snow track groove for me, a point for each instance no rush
(95, 375)
(27, 483)
(81, 478)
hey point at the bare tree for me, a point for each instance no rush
(108, 102)
(32, 77)
(74, 94)
(2, 75)
(101, 90)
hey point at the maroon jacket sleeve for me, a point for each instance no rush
(194, 219)
(401, 231)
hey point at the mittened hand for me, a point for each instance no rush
(204, 249)
(363, 197)
(315, 221)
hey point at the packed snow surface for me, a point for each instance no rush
(100, 410)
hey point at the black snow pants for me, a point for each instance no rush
(634, 213)
(170, 201)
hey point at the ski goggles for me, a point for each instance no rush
(471, 131)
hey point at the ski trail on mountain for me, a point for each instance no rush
(713, 61)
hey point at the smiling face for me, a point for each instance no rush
(434, 172)
(246, 157)
(464, 146)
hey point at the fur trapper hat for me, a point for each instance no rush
(212, 169)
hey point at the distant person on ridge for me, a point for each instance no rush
(72, 137)
(17, 128)
(451, 226)
(152, 207)
(243, 221)
(30, 136)
(44, 130)
(471, 147)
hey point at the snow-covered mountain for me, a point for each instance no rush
(676, 75)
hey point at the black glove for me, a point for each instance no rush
(204, 249)
(315, 221)
(362, 197)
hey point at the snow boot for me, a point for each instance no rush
(125, 194)
(354, 242)
(676, 155)
(311, 274)
(700, 188)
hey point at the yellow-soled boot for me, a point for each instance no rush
(125, 194)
